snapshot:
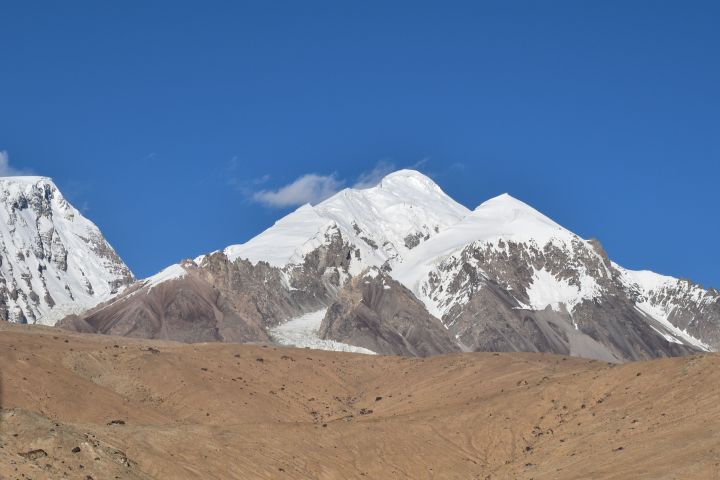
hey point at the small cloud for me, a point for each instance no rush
(247, 187)
(420, 163)
(6, 170)
(260, 180)
(309, 188)
(150, 156)
(372, 178)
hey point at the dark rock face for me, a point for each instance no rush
(615, 331)
(510, 265)
(220, 300)
(316, 281)
(185, 310)
(487, 296)
(414, 239)
(374, 311)
(690, 308)
(616, 323)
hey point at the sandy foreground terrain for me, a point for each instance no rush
(94, 407)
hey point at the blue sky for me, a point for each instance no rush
(164, 120)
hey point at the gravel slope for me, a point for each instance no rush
(248, 411)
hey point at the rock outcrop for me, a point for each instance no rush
(374, 311)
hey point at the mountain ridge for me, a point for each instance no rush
(502, 276)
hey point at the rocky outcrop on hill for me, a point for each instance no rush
(374, 311)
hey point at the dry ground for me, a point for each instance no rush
(223, 411)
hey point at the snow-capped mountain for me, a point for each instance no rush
(545, 287)
(384, 223)
(500, 277)
(496, 224)
(53, 261)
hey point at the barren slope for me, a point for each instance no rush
(244, 411)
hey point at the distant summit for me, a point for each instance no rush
(54, 260)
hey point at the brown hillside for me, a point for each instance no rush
(224, 411)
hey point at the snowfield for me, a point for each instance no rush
(384, 223)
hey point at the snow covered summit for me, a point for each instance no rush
(54, 260)
(503, 217)
(384, 222)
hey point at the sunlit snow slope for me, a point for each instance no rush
(54, 260)
(496, 225)
(384, 222)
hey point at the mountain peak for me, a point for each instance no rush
(407, 178)
(383, 222)
(55, 261)
(26, 180)
(504, 200)
(406, 173)
(507, 213)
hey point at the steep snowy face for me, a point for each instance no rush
(284, 241)
(507, 242)
(687, 310)
(500, 218)
(390, 220)
(383, 224)
(53, 261)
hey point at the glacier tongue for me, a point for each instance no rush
(302, 332)
(54, 261)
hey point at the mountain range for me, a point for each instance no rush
(399, 268)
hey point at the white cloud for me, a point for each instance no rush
(310, 188)
(6, 170)
(373, 177)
